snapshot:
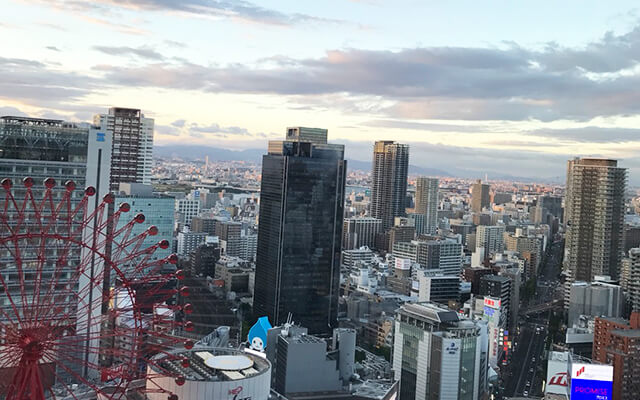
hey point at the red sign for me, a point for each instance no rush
(559, 379)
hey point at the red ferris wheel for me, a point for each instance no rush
(85, 307)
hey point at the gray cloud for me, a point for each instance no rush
(591, 134)
(167, 130)
(142, 52)
(511, 83)
(425, 126)
(52, 48)
(37, 83)
(178, 123)
(217, 129)
(235, 9)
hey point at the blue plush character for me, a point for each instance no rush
(258, 334)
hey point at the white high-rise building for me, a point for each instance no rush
(360, 231)
(490, 238)
(132, 151)
(439, 355)
(633, 280)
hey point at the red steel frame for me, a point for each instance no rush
(43, 333)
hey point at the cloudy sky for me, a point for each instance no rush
(499, 87)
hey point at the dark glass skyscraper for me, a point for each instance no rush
(299, 236)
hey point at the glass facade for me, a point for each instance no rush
(40, 148)
(299, 238)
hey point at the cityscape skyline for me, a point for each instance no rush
(479, 90)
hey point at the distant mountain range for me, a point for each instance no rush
(194, 152)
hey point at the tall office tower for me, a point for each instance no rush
(360, 231)
(594, 218)
(132, 154)
(46, 148)
(438, 355)
(480, 196)
(389, 181)
(300, 232)
(427, 203)
(491, 238)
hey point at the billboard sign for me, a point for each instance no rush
(492, 302)
(557, 377)
(591, 382)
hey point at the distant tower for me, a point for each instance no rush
(479, 196)
(427, 203)
(300, 230)
(594, 218)
(389, 181)
(132, 154)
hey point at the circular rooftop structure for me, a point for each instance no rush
(210, 373)
(229, 363)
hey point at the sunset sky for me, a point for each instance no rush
(497, 87)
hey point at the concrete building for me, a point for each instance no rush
(617, 342)
(302, 363)
(439, 355)
(204, 224)
(500, 287)
(211, 373)
(427, 203)
(443, 254)
(203, 260)
(438, 287)
(389, 181)
(187, 208)
(480, 196)
(633, 280)
(360, 231)
(352, 258)
(401, 232)
(132, 151)
(189, 241)
(490, 238)
(597, 299)
(594, 219)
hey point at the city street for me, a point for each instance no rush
(527, 367)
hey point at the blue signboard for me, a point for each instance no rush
(100, 136)
(589, 389)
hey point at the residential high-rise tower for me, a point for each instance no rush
(389, 181)
(132, 153)
(427, 203)
(300, 232)
(594, 218)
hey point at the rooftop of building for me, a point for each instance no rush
(212, 364)
(430, 311)
(630, 333)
